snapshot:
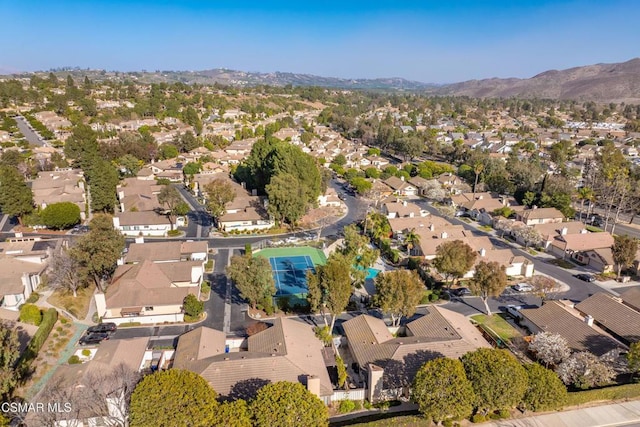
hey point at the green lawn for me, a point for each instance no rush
(499, 325)
(593, 229)
(562, 263)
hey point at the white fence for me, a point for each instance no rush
(355, 394)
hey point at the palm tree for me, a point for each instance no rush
(584, 194)
(478, 167)
(411, 239)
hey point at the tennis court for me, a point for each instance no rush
(290, 266)
(290, 273)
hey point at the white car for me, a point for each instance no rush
(523, 287)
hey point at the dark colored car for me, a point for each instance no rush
(102, 328)
(94, 338)
(460, 292)
(585, 277)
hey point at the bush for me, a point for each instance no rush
(346, 406)
(74, 360)
(367, 405)
(323, 334)
(173, 233)
(478, 418)
(504, 413)
(205, 287)
(33, 298)
(61, 215)
(86, 352)
(31, 314)
(129, 324)
(49, 319)
(193, 307)
(447, 423)
(209, 265)
(426, 297)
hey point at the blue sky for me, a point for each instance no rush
(428, 41)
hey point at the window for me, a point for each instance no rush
(148, 309)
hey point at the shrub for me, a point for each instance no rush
(86, 352)
(209, 265)
(447, 423)
(367, 405)
(173, 233)
(346, 406)
(33, 298)
(31, 314)
(504, 413)
(323, 334)
(61, 215)
(205, 287)
(49, 319)
(74, 360)
(192, 306)
(358, 405)
(478, 418)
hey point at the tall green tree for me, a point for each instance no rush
(219, 192)
(585, 194)
(98, 251)
(287, 198)
(454, 259)
(398, 292)
(103, 179)
(442, 391)
(286, 404)
(499, 380)
(173, 398)
(16, 198)
(170, 198)
(545, 390)
(330, 287)
(489, 280)
(254, 278)
(624, 251)
(9, 354)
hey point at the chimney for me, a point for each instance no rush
(564, 231)
(313, 384)
(402, 178)
(404, 203)
(432, 227)
(483, 252)
(444, 235)
(588, 319)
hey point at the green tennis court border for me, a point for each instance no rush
(317, 256)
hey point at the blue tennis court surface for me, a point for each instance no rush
(290, 273)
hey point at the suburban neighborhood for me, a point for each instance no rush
(354, 251)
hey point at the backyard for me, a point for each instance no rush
(76, 306)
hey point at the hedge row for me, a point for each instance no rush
(622, 392)
(49, 319)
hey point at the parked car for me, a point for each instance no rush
(585, 277)
(514, 311)
(95, 338)
(108, 328)
(460, 292)
(523, 287)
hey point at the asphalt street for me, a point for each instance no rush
(31, 136)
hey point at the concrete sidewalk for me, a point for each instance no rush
(615, 414)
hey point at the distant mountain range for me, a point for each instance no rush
(242, 78)
(601, 82)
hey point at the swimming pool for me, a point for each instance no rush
(372, 273)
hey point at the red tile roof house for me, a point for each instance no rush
(149, 285)
(287, 351)
(388, 364)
